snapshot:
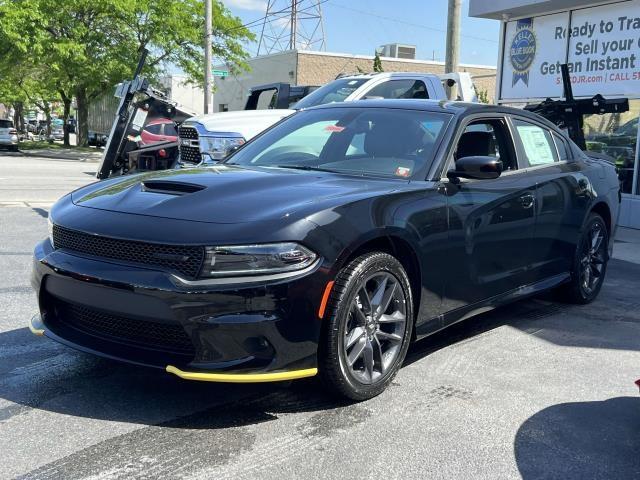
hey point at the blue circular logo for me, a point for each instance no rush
(523, 49)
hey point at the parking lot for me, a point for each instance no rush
(533, 390)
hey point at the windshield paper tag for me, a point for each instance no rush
(139, 118)
(403, 172)
(333, 128)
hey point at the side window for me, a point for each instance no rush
(170, 129)
(400, 89)
(155, 129)
(563, 148)
(537, 143)
(484, 138)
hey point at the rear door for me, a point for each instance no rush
(562, 195)
(491, 222)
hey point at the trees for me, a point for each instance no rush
(82, 48)
(377, 64)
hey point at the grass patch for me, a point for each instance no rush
(44, 145)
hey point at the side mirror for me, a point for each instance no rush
(479, 168)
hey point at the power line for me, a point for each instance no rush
(404, 22)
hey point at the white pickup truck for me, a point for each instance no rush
(211, 137)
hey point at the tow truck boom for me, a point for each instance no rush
(569, 113)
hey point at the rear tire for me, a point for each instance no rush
(368, 327)
(589, 263)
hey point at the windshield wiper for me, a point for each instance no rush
(307, 168)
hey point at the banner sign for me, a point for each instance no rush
(601, 45)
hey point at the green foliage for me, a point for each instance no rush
(377, 64)
(82, 48)
(483, 96)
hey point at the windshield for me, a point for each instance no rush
(364, 141)
(335, 91)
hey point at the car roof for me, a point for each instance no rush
(443, 106)
(370, 75)
(156, 121)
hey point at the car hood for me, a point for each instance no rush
(228, 194)
(248, 123)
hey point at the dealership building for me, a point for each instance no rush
(600, 42)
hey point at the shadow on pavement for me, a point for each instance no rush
(37, 373)
(581, 440)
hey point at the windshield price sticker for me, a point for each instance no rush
(333, 128)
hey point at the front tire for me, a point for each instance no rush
(368, 328)
(589, 263)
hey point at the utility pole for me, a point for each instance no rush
(294, 25)
(453, 43)
(208, 73)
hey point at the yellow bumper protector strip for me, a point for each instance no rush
(35, 330)
(242, 377)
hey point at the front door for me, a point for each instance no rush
(491, 222)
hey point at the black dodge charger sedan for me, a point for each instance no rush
(327, 244)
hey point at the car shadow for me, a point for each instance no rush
(37, 373)
(579, 440)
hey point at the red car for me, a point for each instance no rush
(159, 130)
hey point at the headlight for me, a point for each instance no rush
(50, 230)
(256, 259)
(219, 147)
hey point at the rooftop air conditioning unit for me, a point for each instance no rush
(397, 50)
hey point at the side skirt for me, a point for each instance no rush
(459, 314)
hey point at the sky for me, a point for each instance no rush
(359, 26)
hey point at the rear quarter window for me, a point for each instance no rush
(563, 148)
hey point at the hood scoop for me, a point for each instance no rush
(170, 188)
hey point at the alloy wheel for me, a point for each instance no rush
(593, 258)
(375, 327)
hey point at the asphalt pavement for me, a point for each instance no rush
(537, 389)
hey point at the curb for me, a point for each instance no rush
(53, 155)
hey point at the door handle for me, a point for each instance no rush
(527, 201)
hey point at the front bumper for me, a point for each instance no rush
(257, 333)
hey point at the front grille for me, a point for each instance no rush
(189, 153)
(185, 131)
(158, 336)
(180, 259)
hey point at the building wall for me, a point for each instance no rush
(233, 90)
(317, 68)
(190, 96)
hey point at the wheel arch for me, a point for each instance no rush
(602, 209)
(399, 247)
